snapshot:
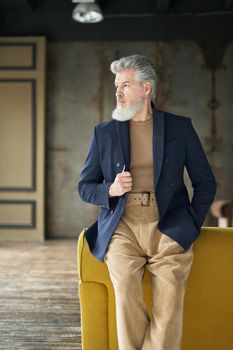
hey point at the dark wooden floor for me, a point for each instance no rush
(39, 306)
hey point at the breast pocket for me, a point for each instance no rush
(174, 151)
(174, 161)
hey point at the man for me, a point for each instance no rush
(134, 171)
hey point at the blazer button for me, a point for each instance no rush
(166, 160)
(171, 184)
(118, 164)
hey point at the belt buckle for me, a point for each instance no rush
(147, 199)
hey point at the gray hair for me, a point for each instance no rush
(144, 67)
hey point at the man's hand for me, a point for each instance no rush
(121, 184)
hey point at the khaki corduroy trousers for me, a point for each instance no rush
(135, 245)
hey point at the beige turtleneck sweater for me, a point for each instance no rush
(141, 166)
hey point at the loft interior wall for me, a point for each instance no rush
(80, 90)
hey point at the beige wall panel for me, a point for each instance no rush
(16, 56)
(22, 110)
(16, 144)
(16, 214)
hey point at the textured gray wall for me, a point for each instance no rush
(80, 94)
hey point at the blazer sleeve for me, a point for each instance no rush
(201, 176)
(92, 188)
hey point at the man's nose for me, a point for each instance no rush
(118, 92)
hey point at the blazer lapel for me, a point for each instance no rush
(123, 134)
(158, 144)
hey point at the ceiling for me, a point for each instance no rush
(123, 20)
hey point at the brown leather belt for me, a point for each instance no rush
(143, 198)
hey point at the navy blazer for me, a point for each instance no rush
(175, 146)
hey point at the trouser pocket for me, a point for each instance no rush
(169, 246)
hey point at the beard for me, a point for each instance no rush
(123, 114)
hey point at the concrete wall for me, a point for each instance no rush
(80, 94)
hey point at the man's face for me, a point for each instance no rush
(130, 95)
(129, 90)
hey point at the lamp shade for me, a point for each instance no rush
(87, 13)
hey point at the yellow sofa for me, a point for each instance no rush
(208, 313)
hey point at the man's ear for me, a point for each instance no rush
(147, 88)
